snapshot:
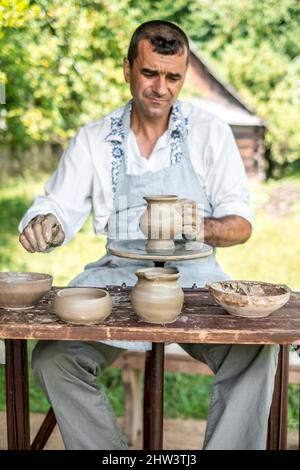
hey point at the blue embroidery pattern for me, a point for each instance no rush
(117, 130)
(180, 128)
(117, 154)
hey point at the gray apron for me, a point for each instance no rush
(179, 178)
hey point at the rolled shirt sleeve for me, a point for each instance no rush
(67, 191)
(226, 180)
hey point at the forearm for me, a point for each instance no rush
(226, 231)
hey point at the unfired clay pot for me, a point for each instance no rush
(161, 222)
(82, 305)
(250, 299)
(157, 296)
(21, 290)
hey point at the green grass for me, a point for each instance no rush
(63, 263)
(272, 254)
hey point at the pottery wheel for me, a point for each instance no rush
(136, 249)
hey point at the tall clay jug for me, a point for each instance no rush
(157, 296)
(161, 222)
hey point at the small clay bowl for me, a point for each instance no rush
(250, 299)
(82, 305)
(21, 290)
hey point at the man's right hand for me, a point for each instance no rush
(42, 233)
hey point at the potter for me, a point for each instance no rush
(154, 145)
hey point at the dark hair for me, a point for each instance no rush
(166, 38)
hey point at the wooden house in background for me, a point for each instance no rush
(222, 100)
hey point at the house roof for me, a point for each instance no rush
(233, 115)
(230, 108)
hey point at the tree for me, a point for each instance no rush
(61, 60)
(63, 66)
(255, 45)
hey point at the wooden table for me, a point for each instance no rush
(201, 321)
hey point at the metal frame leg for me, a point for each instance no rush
(17, 398)
(153, 397)
(277, 433)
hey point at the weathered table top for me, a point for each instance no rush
(201, 320)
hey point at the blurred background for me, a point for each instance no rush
(61, 67)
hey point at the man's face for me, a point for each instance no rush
(155, 80)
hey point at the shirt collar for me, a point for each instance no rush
(177, 124)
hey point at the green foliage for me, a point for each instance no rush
(15, 13)
(284, 111)
(223, 22)
(186, 396)
(177, 11)
(255, 45)
(61, 61)
(272, 253)
(63, 67)
(293, 406)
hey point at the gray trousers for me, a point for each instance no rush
(240, 403)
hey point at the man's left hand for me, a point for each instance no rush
(192, 220)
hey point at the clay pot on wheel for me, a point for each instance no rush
(161, 222)
(157, 296)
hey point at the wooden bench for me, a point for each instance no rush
(132, 364)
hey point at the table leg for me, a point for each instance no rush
(17, 399)
(153, 398)
(153, 393)
(277, 434)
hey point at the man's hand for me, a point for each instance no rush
(192, 220)
(42, 232)
(225, 231)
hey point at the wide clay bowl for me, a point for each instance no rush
(250, 299)
(82, 305)
(21, 290)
